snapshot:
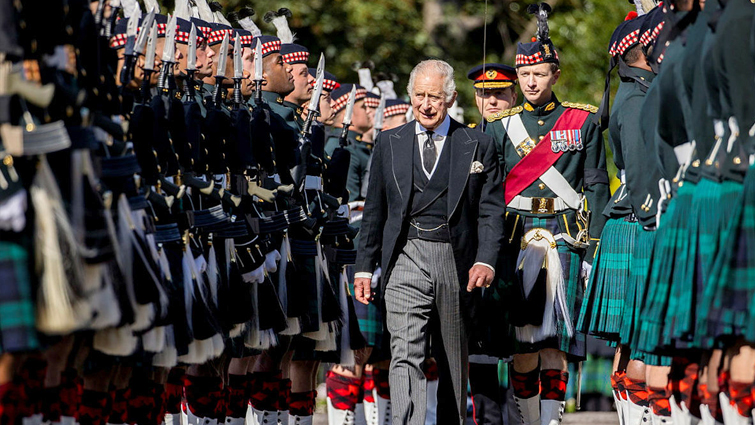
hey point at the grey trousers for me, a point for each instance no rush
(424, 283)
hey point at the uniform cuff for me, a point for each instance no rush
(486, 265)
(363, 275)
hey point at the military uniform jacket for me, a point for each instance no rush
(360, 157)
(584, 168)
(629, 153)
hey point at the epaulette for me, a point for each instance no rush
(472, 125)
(507, 113)
(582, 106)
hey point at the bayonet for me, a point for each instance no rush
(238, 72)
(141, 38)
(314, 101)
(220, 76)
(191, 63)
(169, 54)
(347, 116)
(258, 71)
(127, 72)
(149, 61)
(379, 117)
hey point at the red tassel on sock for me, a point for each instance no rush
(342, 391)
(525, 385)
(740, 395)
(637, 391)
(553, 384)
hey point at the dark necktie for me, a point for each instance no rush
(429, 153)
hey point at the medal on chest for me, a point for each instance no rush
(566, 140)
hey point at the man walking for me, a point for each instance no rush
(433, 220)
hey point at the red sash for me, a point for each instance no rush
(542, 157)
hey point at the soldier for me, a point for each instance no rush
(554, 165)
(395, 113)
(610, 281)
(495, 89)
(495, 92)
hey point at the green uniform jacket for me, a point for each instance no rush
(360, 158)
(584, 169)
(629, 153)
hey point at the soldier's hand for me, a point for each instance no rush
(363, 290)
(479, 276)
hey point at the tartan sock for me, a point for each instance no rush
(264, 391)
(431, 371)
(302, 404)
(553, 384)
(637, 391)
(682, 380)
(383, 387)
(158, 413)
(368, 384)
(9, 400)
(342, 391)
(237, 398)
(51, 404)
(173, 393)
(200, 394)
(740, 395)
(285, 394)
(94, 408)
(143, 407)
(69, 394)
(119, 406)
(658, 400)
(526, 385)
(32, 376)
(617, 383)
(218, 398)
(711, 400)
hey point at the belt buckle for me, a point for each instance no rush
(542, 206)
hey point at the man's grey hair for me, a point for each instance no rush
(435, 66)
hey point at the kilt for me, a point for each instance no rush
(731, 287)
(369, 316)
(602, 311)
(571, 263)
(17, 321)
(636, 293)
(662, 262)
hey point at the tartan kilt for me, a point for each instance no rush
(369, 316)
(662, 262)
(17, 316)
(636, 293)
(571, 263)
(729, 291)
(602, 309)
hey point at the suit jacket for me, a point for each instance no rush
(475, 200)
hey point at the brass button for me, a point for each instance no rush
(541, 137)
(737, 160)
(540, 122)
(541, 186)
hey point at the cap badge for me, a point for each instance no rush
(491, 74)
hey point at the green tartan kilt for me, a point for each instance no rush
(729, 290)
(369, 316)
(663, 260)
(571, 262)
(603, 309)
(636, 293)
(18, 331)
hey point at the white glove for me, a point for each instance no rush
(271, 261)
(13, 212)
(585, 272)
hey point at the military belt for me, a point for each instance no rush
(538, 205)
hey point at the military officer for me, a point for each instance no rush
(554, 165)
(495, 89)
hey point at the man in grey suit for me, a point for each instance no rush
(433, 219)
